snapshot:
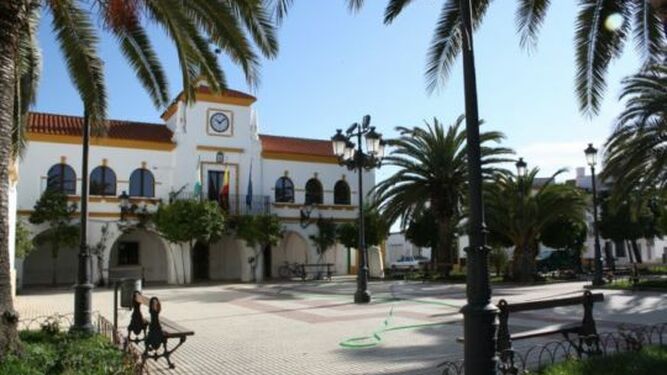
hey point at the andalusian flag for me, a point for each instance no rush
(197, 186)
(224, 191)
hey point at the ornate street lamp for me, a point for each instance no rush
(591, 158)
(521, 168)
(480, 316)
(353, 159)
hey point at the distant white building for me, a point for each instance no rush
(398, 246)
(296, 179)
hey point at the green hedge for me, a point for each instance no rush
(651, 360)
(60, 353)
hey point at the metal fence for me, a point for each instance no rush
(104, 327)
(530, 359)
(236, 205)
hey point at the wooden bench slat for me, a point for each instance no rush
(549, 304)
(173, 329)
(548, 330)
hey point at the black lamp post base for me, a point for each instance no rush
(362, 296)
(480, 322)
(83, 309)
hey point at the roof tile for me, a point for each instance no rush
(56, 124)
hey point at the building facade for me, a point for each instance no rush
(188, 155)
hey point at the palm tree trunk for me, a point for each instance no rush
(13, 16)
(444, 257)
(523, 264)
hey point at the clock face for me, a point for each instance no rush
(219, 122)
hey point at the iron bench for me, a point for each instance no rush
(588, 340)
(318, 269)
(156, 332)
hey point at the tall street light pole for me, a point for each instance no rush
(591, 157)
(521, 168)
(353, 159)
(84, 285)
(480, 316)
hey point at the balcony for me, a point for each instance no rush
(238, 204)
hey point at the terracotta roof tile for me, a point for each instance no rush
(292, 145)
(55, 124)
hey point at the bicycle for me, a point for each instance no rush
(288, 271)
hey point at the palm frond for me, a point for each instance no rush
(446, 41)
(394, 8)
(29, 66)
(78, 42)
(139, 52)
(648, 33)
(529, 18)
(596, 45)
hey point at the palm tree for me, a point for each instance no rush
(518, 211)
(636, 153)
(602, 28)
(432, 172)
(199, 29)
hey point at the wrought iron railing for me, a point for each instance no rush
(529, 360)
(235, 205)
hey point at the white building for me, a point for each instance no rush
(398, 246)
(151, 162)
(652, 250)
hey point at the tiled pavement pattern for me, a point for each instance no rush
(296, 328)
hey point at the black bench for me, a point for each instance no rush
(156, 332)
(318, 268)
(586, 332)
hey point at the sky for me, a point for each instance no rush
(334, 67)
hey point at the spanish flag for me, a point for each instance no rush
(224, 191)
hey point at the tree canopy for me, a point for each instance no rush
(189, 221)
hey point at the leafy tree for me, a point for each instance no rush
(53, 209)
(568, 234)
(635, 157)
(498, 258)
(636, 217)
(519, 212)
(23, 243)
(601, 31)
(325, 237)
(432, 170)
(348, 234)
(423, 230)
(258, 231)
(190, 221)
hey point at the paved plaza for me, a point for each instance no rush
(298, 328)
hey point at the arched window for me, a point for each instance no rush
(102, 181)
(61, 177)
(142, 183)
(313, 192)
(284, 190)
(341, 192)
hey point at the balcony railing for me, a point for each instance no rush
(238, 204)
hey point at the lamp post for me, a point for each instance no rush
(521, 174)
(591, 158)
(84, 284)
(124, 205)
(480, 316)
(344, 149)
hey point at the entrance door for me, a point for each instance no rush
(267, 261)
(200, 255)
